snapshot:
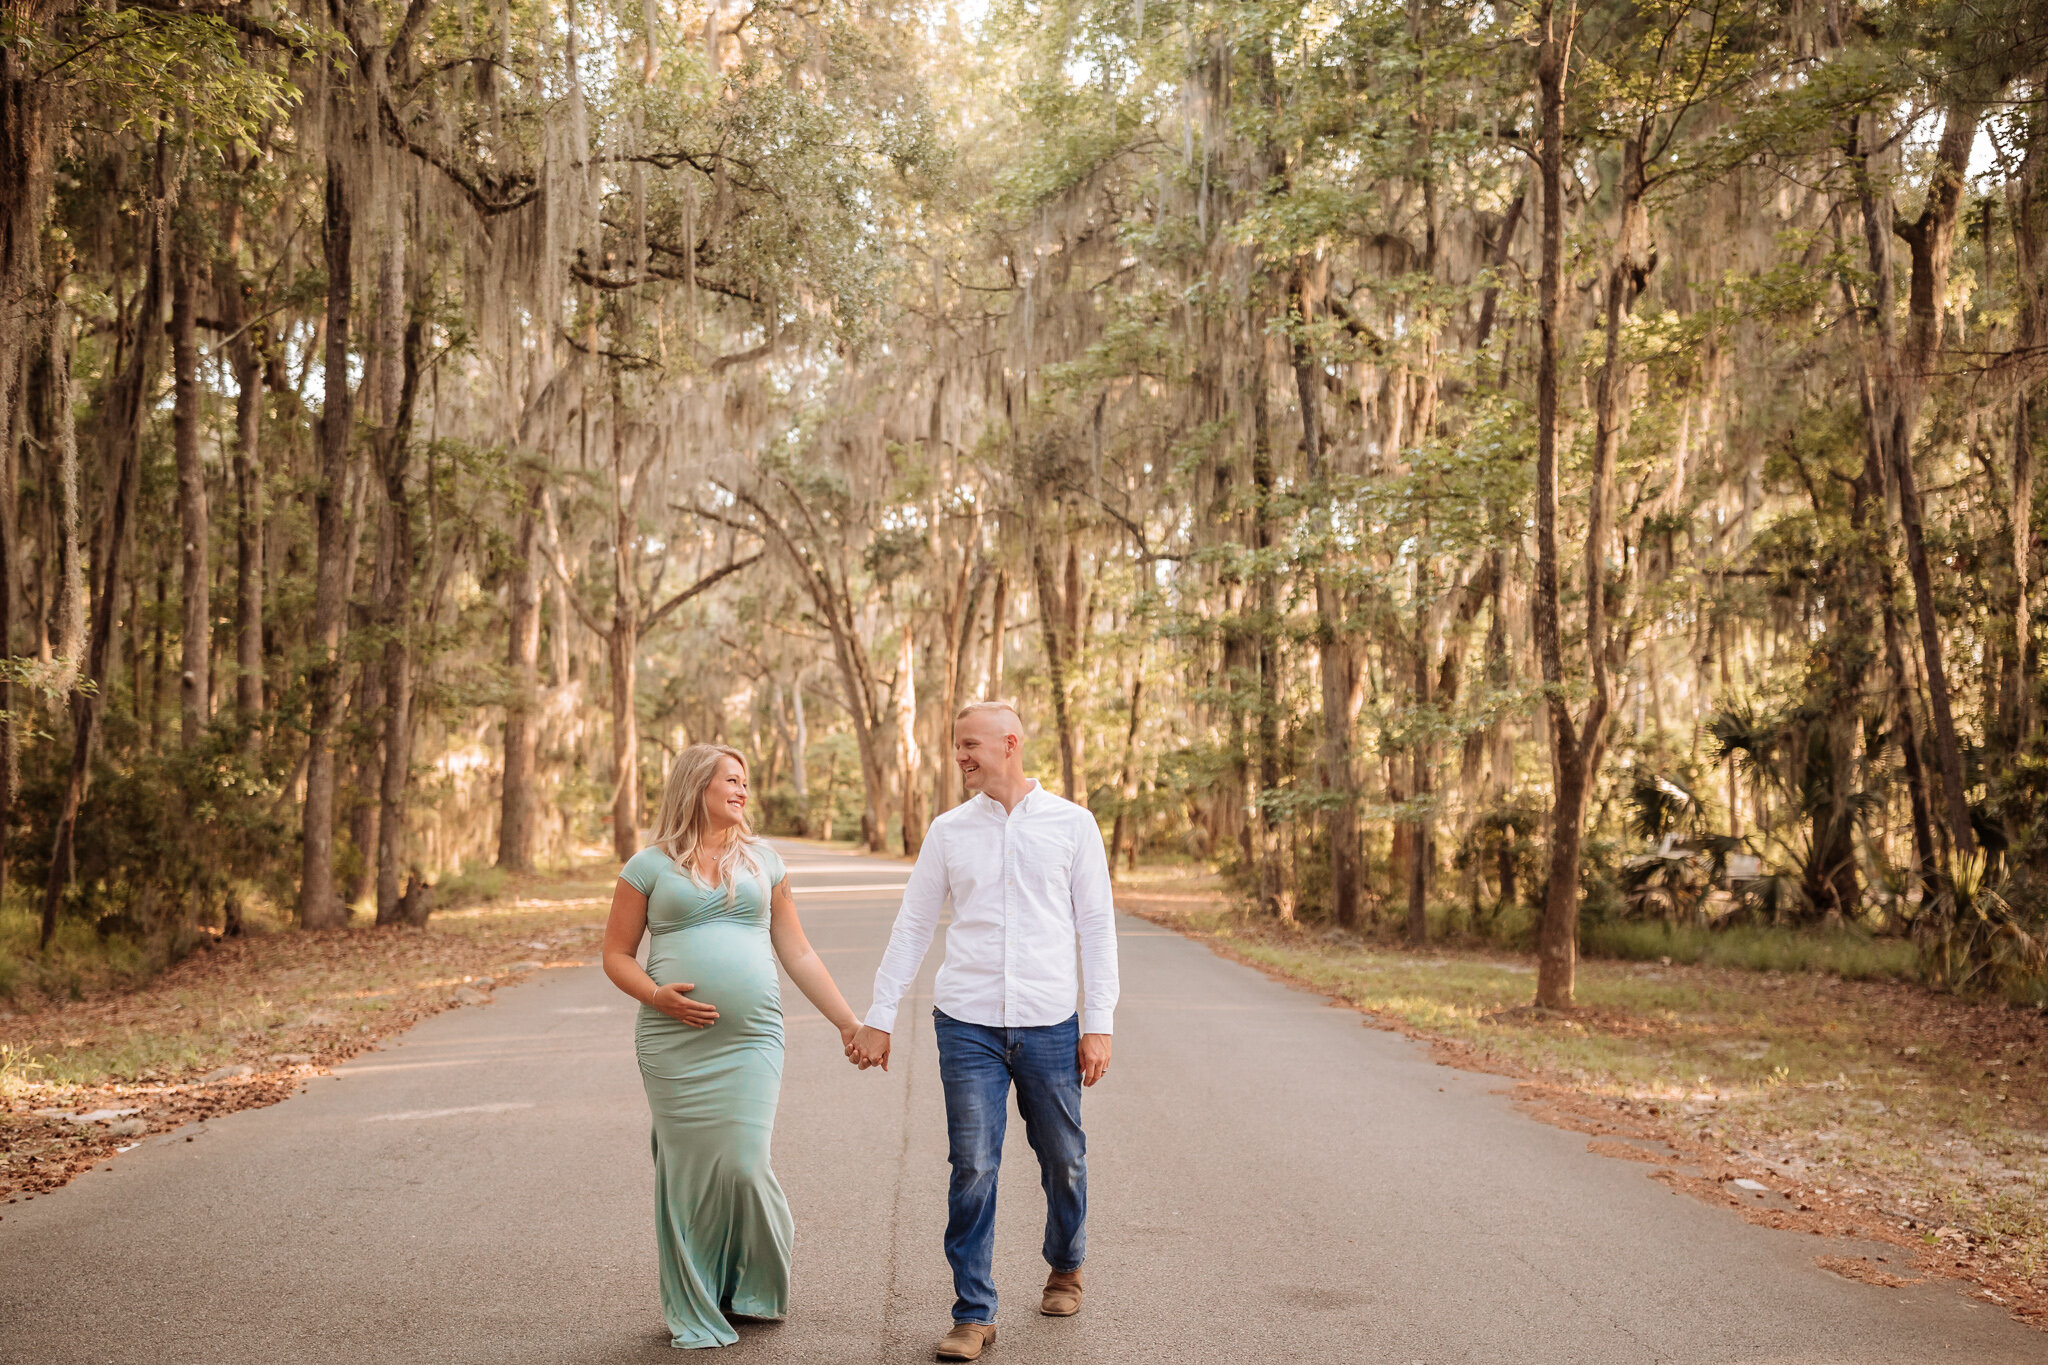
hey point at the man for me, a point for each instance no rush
(1029, 883)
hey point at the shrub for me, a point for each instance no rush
(1983, 931)
(165, 842)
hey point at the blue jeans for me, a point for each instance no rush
(976, 1065)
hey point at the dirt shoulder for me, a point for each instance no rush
(1848, 1108)
(246, 1022)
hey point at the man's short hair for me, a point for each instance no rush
(1000, 709)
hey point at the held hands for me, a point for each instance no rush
(867, 1047)
(848, 1031)
(673, 1000)
(1093, 1055)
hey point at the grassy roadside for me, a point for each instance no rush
(242, 1023)
(1871, 1106)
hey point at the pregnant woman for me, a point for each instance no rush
(715, 901)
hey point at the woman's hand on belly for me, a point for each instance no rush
(674, 1001)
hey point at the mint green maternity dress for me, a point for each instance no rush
(721, 1222)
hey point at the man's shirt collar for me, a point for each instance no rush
(1032, 791)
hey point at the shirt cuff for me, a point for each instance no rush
(1097, 1021)
(881, 1017)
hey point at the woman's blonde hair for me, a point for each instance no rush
(679, 826)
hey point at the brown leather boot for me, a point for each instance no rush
(967, 1341)
(1062, 1294)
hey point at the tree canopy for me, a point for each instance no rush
(1462, 468)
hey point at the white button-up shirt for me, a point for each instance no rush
(1030, 887)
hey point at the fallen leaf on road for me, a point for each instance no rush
(1864, 1269)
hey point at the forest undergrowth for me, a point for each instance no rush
(244, 1021)
(1876, 1106)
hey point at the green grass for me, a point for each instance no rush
(18, 1070)
(1850, 954)
(476, 885)
(79, 959)
(136, 1056)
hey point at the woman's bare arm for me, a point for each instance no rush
(622, 933)
(804, 965)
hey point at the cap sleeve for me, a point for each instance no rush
(771, 863)
(644, 869)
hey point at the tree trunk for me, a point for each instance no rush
(394, 903)
(856, 671)
(1925, 857)
(1274, 897)
(1496, 260)
(1576, 753)
(1829, 877)
(52, 422)
(1074, 623)
(364, 734)
(623, 648)
(121, 420)
(2021, 706)
(998, 611)
(907, 755)
(319, 907)
(1234, 803)
(248, 473)
(1948, 748)
(517, 802)
(1902, 382)
(562, 663)
(793, 738)
(1874, 485)
(1123, 836)
(364, 729)
(196, 629)
(799, 744)
(958, 629)
(159, 610)
(1398, 837)
(2029, 214)
(857, 682)
(1422, 832)
(1557, 935)
(1337, 670)
(621, 652)
(874, 782)
(1342, 691)
(1050, 611)
(395, 775)
(13, 422)
(26, 97)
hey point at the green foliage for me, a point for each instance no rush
(1852, 954)
(1972, 937)
(78, 959)
(170, 844)
(915, 311)
(142, 70)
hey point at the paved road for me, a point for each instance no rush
(1268, 1180)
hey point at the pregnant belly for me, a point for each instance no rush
(733, 969)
